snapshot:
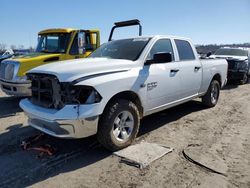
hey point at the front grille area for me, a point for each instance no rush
(7, 71)
(48, 92)
(232, 64)
(45, 90)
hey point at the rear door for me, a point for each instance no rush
(162, 80)
(190, 69)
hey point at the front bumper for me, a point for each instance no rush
(16, 89)
(70, 122)
(236, 74)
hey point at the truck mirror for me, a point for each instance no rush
(81, 42)
(160, 57)
(209, 54)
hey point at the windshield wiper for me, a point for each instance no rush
(45, 51)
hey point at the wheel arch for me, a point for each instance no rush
(128, 95)
(217, 77)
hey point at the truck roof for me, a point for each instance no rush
(241, 48)
(158, 36)
(56, 30)
(62, 30)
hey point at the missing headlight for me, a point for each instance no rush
(48, 92)
(72, 94)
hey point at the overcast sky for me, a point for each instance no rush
(204, 21)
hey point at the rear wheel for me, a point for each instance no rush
(118, 125)
(210, 99)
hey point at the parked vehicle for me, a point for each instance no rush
(238, 62)
(53, 45)
(7, 54)
(117, 85)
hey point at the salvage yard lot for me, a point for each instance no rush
(221, 135)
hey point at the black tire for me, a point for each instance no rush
(105, 133)
(244, 79)
(210, 99)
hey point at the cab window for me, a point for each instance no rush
(162, 45)
(185, 50)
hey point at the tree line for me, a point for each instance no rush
(4, 47)
(204, 49)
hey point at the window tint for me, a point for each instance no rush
(184, 49)
(53, 43)
(231, 51)
(129, 49)
(162, 45)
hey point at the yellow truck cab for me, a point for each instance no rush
(53, 45)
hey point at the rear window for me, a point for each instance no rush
(184, 49)
(231, 51)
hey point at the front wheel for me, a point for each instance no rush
(245, 79)
(118, 125)
(210, 99)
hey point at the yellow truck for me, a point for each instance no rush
(53, 45)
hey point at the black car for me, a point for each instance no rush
(238, 63)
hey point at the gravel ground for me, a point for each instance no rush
(220, 138)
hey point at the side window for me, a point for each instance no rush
(74, 47)
(184, 49)
(162, 45)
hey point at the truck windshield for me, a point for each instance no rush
(53, 43)
(122, 49)
(232, 52)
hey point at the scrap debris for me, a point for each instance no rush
(186, 156)
(26, 143)
(30, 142)
(142, 154)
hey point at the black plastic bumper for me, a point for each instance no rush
(235, 75)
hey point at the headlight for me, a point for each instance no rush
(74, 94)
(9, 70)
(21, 78)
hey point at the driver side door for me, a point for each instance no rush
(163, 80)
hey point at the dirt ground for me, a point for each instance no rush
(221, 136)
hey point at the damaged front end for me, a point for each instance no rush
(62, 110)
(48, 92)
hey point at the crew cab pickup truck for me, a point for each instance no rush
(53, 45)
(238, 62)
(117, 85)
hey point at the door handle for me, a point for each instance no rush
(174, 70)
(197, 68)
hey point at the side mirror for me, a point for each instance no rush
(160, 58)
(209, 54)
(81, 42)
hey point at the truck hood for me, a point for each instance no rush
(239, 58)
(31, 60)
(70, 70)
(27, 57)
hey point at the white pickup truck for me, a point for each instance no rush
(117, 85)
